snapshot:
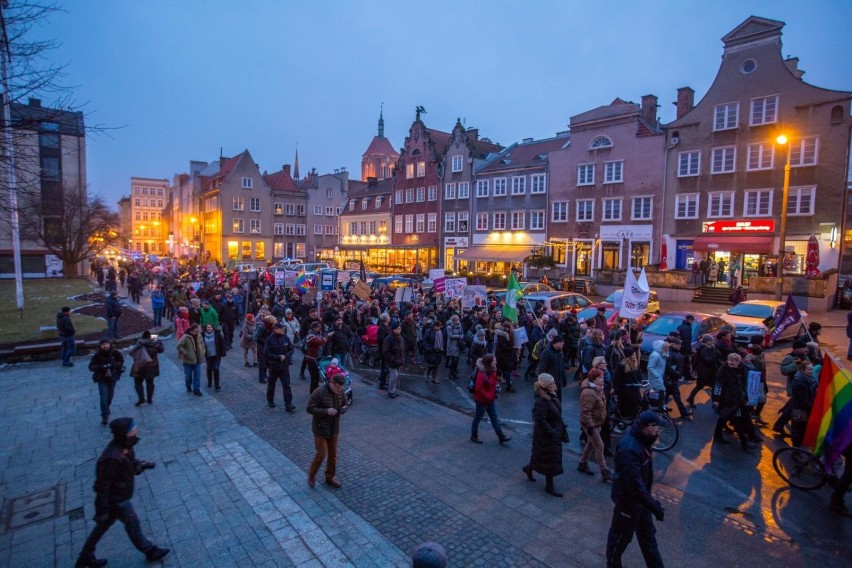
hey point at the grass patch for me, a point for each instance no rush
(43, 298)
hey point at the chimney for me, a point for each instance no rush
(685, 101)
(792, 64)
(526, 140)
(649, 108)
(372, 182)
(286, 168)
(35, 102)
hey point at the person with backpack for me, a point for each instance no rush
(570, 330)
(594, 349)
(144, 373)
(536, 351)
(485, 396)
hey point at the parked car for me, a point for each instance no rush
(844, 295)
(526, 287)
(392, 282)
(555, 302)
(750, 318)
(653, 301)
(669, 321)
(592, 311)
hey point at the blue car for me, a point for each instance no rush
(669, 321)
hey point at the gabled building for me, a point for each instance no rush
(379, 160)
(326, 196)
(365, 226)
(509, 206)
(605, 210)
(289, 225)
(723, 187)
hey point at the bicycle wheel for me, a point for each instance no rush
(669, 435)
(799, 468)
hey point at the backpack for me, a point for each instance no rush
(539, 347)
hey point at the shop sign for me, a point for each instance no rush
(630, 232)
(455, 242)
(584, 231)
(752, 226)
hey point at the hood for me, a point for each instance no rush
(586, 384)
(480, 366)
(501, 333)
(658, 346)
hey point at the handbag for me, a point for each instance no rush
(141, 358)
(565, 439)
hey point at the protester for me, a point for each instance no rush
(326, 404)
(247, 341)
(314, 342)
(191, 353)
(730, 403)
(158, 303)
(546, 456)
(504, 353)
(485, 395)
(145, 373)
(214, 348)
(106, 365)
(278, 353)
(804, 387)
(433, 345)
(393, 354)
(68, 342)
(593, 416)
(113, 313)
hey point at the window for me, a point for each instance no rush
(642, 208)
(449, 222)
(760, 157)
(800, 200)
(239, 204)
(450, 191)
(600, 142)
(301, 229)
(482, 188)
(339, 210)
(317, 209)
(247, 183)
(463, 221)
(330, 229)
(803, 152)
(137, 202)
(432, 193)
(686, 206)
(499, 187)
(409, 223)
(278, 208)
(432, 223)
(518, 220)
(363, 226)
(246, 249)
(421, 194)
(379, 201)
(329, 193)
(457, 163)
(421, 169)
(537, 220)
(254, 204)
(277, 228)
(559, 211)
(419, 224)
(397, 224)
(300, 210)
(725, 116)
(409, 171)
(409, 195)
(689, 164)
(138, 216)
(398, 196)
(254, 225)
(613, 172)
(51, 169)
(586, 174)
(291, 229)
(585, 209)
(482, 221)
(758, 203)
(764, 110)
(720, 204)
(537, 183)
(239, 226)
(519, 185)
(500, 221)
(329, 211)
(365, 201)
(723, 159)
(612, 209)
(464, 190)
(353, 227)
(317, 229)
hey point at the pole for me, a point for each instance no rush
(10, 157)
(779, 268)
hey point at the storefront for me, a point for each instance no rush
(492, 260)
(616, 242)
(390, 260)
(738, 246)
(452, 246)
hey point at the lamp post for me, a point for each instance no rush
(779, 268)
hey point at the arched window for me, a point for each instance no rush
(837, 115)
(600, 142)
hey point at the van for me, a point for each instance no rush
(309, 267)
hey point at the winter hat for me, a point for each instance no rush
(480, 333)
(707, 338)
(250, 317)
(121, 426)
(429, 555)
(628, 351)
(278, 325)
(394, 326)
(551, 334)
(799, 343)
(335, 362)
(104, 340)
(545, 379)
(647, 417)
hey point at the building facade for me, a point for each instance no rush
(148, 198)
(365, 225)
(289, 228)
(379, 160)
(326, 197)
(725, 169)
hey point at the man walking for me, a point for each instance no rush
(191, 352)
(393, 354)
(113, 312)
(278, 353)
(326, 405)
(106, 366)
(68, 344)
(115, 471)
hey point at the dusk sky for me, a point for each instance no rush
(184, 79)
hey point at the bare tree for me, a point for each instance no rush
(76, 229)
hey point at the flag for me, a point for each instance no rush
(513, 294)
(829, 429)
(634, 299)
(304, 282)
(790, 316)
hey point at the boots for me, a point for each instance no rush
(503, 438)
(548, 488)
(156, 553)
(584, 468)
(606, 476)
(528, 470)
(474, 437)
(91, 562)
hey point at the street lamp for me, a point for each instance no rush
(779, 268)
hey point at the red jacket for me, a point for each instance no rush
(485, 391)
(313, 345)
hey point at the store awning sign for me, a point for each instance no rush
(734, 227)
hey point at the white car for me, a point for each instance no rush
(749, 318)
(653, 301)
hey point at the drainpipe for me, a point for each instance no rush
(665, 192)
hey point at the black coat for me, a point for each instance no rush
(730, 389)
(113, 308)
(229, 313)
(275, 346)
(106, 366)
(552, 362)
(153, 347)
(685, 332)
(504, 351)
(321, 400)
(706, 364)
(546, 456)
(393, 351)
(634, 472)
(341, 341)
(589, 354)
(114, 477)
(64, 325)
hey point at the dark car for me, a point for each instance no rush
(669, 321)
(592, 311)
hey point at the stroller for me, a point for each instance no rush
(323, 364)
(370, 347)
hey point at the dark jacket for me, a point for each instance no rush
(229, 313)
(546, 456)
(634, 472)
(552, 362)
(64, 325)
(589, 354)
(115, 472)
(113, 307)
(106, 366)
(219, 342)
(341, 341)
(685, 332)
(383, 331)
(706, 364)
(729, 391)
(321, 400)
(277, 345)
(849, 325)
(153, 347)
(504, 350)
(393, 351)
(804, 392)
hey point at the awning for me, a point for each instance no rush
(495, 253)
(738, 244)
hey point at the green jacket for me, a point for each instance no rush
(209, 315)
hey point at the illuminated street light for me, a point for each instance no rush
(782, 250)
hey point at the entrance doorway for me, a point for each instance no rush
(583, 255)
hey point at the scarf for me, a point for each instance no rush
(439, 341)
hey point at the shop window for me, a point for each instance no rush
(639, 254)
(246, 249)
(260, 250)
(611, 256)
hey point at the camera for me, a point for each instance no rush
(154, 336)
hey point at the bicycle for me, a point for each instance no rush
(803, 470)
(669, 434)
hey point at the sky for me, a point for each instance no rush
(180, 81)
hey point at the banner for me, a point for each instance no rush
(279, 278)
(328, 280)
(475, 296)
(790, 316)
(455, 287)
(362, 290)
(440, 285)
(289, 278)
(634, 300)
(403, 294)
(435, 273)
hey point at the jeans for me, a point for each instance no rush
(393, 378)
(453, 365)
(481, 409)
(628, 519)
(68, 346)
(139, 383)
(192, 376)
(313, 370)
(158, 317)
(112, 327)
(282, 375)
(326, 447)
(122, 511)
(106, 390)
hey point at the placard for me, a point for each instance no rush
(520, 336)
(435, 273)
(362, 290)
(455, 287)
(328, 281)
(440, 285)
(279, 278)
(475, 297)
(310, 297)
(403, 295)
(289, 278)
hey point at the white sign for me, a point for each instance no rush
(634, 300)
(631, 232)
(435, 273)
(279, 277)
(456, 242)
(475, 297)
(455, 287)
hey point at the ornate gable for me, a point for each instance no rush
(753, 29)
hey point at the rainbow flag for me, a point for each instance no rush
(829, 429)
(305, 282)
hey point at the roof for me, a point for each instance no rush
(226, 166)
(618, 108)
(440, 139)
(753, 29)
(281, 181)
(381, 146)
(33, 116)
(526, 154)
(382, 189)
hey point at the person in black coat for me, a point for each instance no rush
(116, 469)
(729, 401)
(552, 362)
(504, 353)
(278, 353)
(113, 312)
(65, 327)
(684, 330)
(546, 457)
(106, 365)
(706, 367)
(229, 315)
(144, 376)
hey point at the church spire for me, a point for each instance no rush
(381, 121)
(296, 165)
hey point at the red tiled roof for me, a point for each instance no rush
(280, 181)
(526, 154)
(440, 139)
(381, 146)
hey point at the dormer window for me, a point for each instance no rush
(378, 201)
(600, 142)
(364, 203)
(351, 204)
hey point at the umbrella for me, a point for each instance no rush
(664, 252)
(812, 258)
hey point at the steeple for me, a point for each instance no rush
(381, 121)
(296, 165)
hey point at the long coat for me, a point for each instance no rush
(546, 456)
(455, 334)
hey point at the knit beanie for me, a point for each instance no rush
(429, 555)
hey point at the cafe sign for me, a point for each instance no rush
(735, 227)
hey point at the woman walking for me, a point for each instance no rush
(504, 352)
(433, 343)
(214, 344)
(144, 374)
(247, 341)
(546, 457)
(592, 418)
(485, 395)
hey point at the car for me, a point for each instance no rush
(669, 321)
(592, 311)
(653, 300)
(555, 302)
(392, 282)
(748, 318)
(844, 295)
(526, 288)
